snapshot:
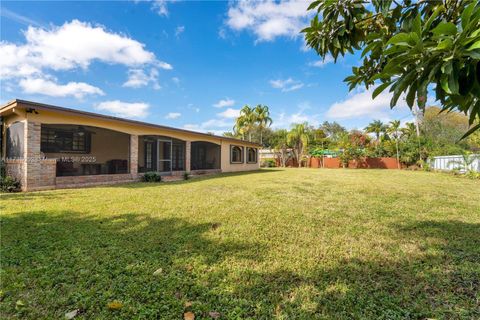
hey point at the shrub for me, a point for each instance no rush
(268, 163)
(186, 175)
(472, 174)
(9, 184)
(152, 177)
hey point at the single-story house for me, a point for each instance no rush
(48, 147)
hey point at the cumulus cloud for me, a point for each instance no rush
(51, 88)
(223, 122)
(361, 104)
(217, 126)
(70, 46)
(227, 102)
(124, 109)
(286, 85)
(269, 19)
(322, 62)
(173, 115)
(138, 78)
(229, 113)
(73, 45)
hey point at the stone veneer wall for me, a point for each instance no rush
(94, 180)
(16, 169)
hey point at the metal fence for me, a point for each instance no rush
(455, 162)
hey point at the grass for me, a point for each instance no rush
(285, 244)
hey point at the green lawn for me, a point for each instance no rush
(285, 244)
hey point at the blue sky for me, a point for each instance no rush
(185, 64)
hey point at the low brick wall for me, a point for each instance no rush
(206, 171)
(94, 180)
(367, 163)
(45, 179)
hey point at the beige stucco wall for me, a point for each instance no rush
(233, 167)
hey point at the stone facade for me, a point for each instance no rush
(188, 149)
(94, 180)
(134, 155)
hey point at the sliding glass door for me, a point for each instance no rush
(161, 154)
(164, 155)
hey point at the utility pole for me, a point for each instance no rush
(416, 114)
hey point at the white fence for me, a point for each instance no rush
(455, 162)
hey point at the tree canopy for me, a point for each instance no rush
(407, 46)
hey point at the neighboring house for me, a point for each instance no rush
(456, 162)
(48, 147)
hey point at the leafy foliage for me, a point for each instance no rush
(7, 183)
(252, 120)
(408, 47)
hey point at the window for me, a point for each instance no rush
(15, 140)
(58, 140)
(236, 154)
(251, 155)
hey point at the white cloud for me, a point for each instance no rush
(176, 80)
(124, 109)
(70, 46)
(322, 62)
(138, 78)
(285, 121)
(223, 122)
(361, 104)
(179, 30)
(173, 115)
(51, 88)
(227, 102)
(229, 113)
(160, 6)
(269, 19)
(286, 85)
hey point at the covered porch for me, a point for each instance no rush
(170, 156)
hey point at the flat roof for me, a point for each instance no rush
(43, 106)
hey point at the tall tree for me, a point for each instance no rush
(246, 122)
(378, 128)
(408, 46)
(333, 130)
(298, 138)
(396, 133)
(262, 114)
(280, 145)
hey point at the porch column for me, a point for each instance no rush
(32, 169)
(134, 155)
(188, 148)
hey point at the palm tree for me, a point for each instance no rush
(245, 122)
(280, 145)
(298, 138)
(262, 114)
(378, 128)
(409, 129)
(395, 131)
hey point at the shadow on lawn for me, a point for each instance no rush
(59, 261)
(198, 178)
